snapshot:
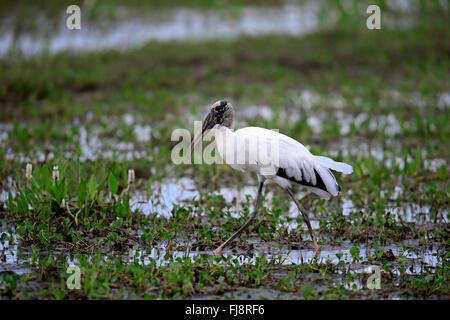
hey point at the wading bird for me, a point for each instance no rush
(272, 156)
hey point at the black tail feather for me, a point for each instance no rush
(319, 182)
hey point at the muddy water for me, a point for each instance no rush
(178, 192)
(172, 192)
(14, 257)
(10, 257)
(165, 196)
(410, 255)
(96, 142)
(328, 253)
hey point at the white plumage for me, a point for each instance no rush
(297, 164)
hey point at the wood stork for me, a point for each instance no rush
(286, 161)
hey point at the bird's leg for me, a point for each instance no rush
(255, 213)
(306, 218)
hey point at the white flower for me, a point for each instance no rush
(128, 119)
(63, 203)
(55, 173)
(143, 133)
(28, 171)
(131, 176)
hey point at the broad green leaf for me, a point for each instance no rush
(92, 186)
(113, 183)
(442, 172)
(81, 192)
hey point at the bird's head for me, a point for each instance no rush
(221, 113)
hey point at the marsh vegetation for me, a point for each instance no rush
(376, 99)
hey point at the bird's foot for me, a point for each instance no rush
(218, 251)
(317, 254)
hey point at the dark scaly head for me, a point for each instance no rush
(221, 113)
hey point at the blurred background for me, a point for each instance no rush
(104, 99)
(136, 70)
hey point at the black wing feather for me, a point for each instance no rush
(319, 182)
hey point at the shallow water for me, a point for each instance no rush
(410, 256)
(168, 193)
(165, 196)
(96, 141)
(133, 27)
(416, 259)
(164, 25)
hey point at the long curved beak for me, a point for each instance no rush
(208, 123)
(197, 137)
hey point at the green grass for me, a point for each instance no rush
(46, 101)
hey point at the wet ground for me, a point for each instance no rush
(378, 101)
(127, 27)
